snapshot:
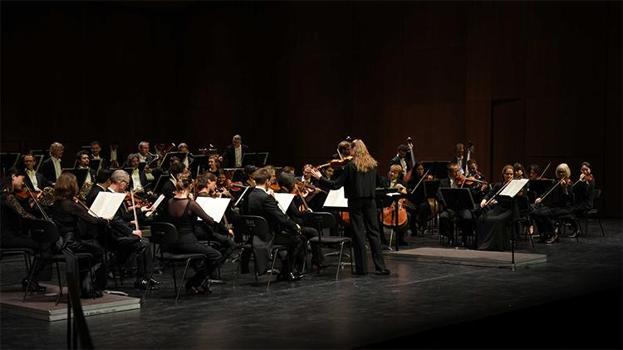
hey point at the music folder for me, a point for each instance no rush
(154, 206)
(336, 199)
(214, 207)
(513, 187)
(284, 200)
(458, 198)
(106, 204)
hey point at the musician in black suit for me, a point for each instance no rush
(125, 241)
(360, 179)
(168, 189)
(138, 178)
(51, 168)
(401, 159)
(96, 155)
(463, 218)
(234, 153)
(102, 181)
(82, 163)
(284, 230)
(459, 157)
(33, 179)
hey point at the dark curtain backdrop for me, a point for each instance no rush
(541, 80)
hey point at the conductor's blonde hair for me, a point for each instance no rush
(362, 159)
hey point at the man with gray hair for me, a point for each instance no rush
(232, 157)
(127, 242)
(143, 152)
(51, 168)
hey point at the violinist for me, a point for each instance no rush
(183, 147)
(214, 164)
(34, 179)
(360, 179)
(418, 206)
(584, 190)
(328, 172)
(102, 181)
(520, 173)
(183, 211)
(344, 149)
(223, 185)
(168, 189)
(284, 230)
(13, 229)
(70, 217)
(248, 171)
(463, 218)
(296, 211)
(126, 241)
(559, 202)
(476, 181)
(534, 172)
(288, 169)
(401, 159)
(309, 189)
(493, 225)
(51, 168)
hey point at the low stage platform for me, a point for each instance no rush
(471, 257)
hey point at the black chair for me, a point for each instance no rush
(592, 214)
(163, 234)
(26, 253)
(326, 221)
(258, 237)
(46, 233)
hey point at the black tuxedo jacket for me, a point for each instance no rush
(229, 156)
(47, 170)
(262, 204)
(42, 181)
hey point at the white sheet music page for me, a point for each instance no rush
(214, 207)
(513, 188)
(284, 200)
(155, 205)
(336, 199)
(106, 204)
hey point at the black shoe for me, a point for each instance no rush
(291, 277)
(32, 286)
(553, 239)
(359, 273)
(383, 272)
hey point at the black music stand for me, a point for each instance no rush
(540, 186)
(199, 162)
(166, 161)
(438, 169)
(160, 183)
(95, 164)
(257, 159)
(81, 175)
(8, 161)
(385, 197)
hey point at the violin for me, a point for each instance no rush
(336, 163)
(468, 180)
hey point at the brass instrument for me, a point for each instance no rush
(84, 190)
(47, 197)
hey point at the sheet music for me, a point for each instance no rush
(106, 204)
(514, 187)
(214, 207)
(155, 205)
(336, 199)
(284, 200)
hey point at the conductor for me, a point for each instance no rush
(360, 180)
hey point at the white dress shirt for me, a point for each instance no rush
(32, 175)
(238, 153)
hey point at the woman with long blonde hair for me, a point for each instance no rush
(360, 179)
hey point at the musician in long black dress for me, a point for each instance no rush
(183, 212)
(493, 225)
(360, 179)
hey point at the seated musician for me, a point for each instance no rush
(127, 242)
(284, 231)
(183, 211)
(418, 207)
(296, 211)
(583, 193)
(114, 155)
(34, 179)
(214, 164)
(144, 156)
(96, 154)
(288, 169)
(102, 181)
(328, 172)
(479, 189)
(519, 170)
(394, 181)
(51, 168)
(13, 229)
(311, 190)
(494, 227)
(463, 218)
(138, 178)
(557, 203)
(168, 189)
(459, 158)
(183, 147)
(401, 159)
(232, 157)
(206, 186)
(83, 162)
(248, 172)
(68, 215)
